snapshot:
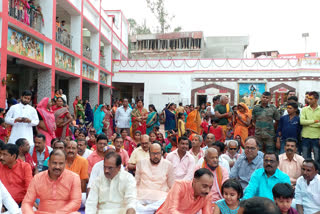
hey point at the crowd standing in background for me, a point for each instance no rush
(213, 158)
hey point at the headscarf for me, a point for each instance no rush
(98, 118)
(89, 113)
(47, 115)
(245, 107)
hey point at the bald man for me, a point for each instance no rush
(76, 163)
(211, 162)
(59, 190)
(154, 178)
(209, 140)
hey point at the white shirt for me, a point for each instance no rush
(222, 162)
(7, 201)
(123, 117)
(86, 153)
(113, 196)
(20, 130)
(40, 157)
(63, 96)
(308, 195)
(183, 168)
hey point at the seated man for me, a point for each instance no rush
(248, 162)
(59, 190)
(7, 201)
(307, 193)
(154, 178)
(118, 144)
(263, 180)
(182, 161)
(15, 174)
(232, 152)
(83, 151)
(76, 163)
(40, 152)
(55, 145)
(209, 140)
(220, 174)
(190, 196)
(196, 151)
(290, 162)
(114, 191)
(139, 153)
(24, 148)
(220, 148)
(258, 205)
(97, 155)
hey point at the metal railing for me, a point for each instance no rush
(86, 52)
(63, 37)
(29, 16)
(103, 61)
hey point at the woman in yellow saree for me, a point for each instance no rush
(242, 120)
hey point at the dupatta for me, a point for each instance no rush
(47, 116)
(98, 119)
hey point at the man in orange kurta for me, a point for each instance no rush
(58, 189)
(194, 120)
(190, 196)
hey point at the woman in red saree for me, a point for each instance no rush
(139, 117)
(63, 118)
(47, 124)
(108, 121)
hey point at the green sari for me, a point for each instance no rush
(80, 110)
(152, 120)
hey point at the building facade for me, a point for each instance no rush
(60, 44)
(197, 81)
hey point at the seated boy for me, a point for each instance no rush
(283, 194)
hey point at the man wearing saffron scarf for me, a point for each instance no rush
(40, 152)
(194, 120)
(190, 196)
(220, 174)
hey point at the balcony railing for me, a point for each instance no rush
(102, 61)
(63, 37)
(30, 16)
(87, 52)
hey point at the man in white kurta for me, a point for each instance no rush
(115, 191)
(22, 117)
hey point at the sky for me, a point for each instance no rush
(270, 24)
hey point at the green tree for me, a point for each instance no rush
(136, 28)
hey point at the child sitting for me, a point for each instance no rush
(283, 194)
(204, 127)
(232, 192)
(230, 132)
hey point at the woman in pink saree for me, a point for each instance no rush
(108, 121)
(63, 118)
(47, 124)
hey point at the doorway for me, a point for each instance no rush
(201, 99)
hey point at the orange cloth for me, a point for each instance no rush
(80, 167)
(181, 199)
(93, 159)
(239, 127)
(61, 196)
(17, 179)
(194, 121)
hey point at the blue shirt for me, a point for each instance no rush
(289, 128)
(260, 185)
(242, 169)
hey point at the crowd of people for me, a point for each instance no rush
(213, 158)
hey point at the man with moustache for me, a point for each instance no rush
(22, 117)
(97, 155)
(263, 180)
(114, 191)
(154, 178)
(220, 174)
(76, 163)
(209, 140)
(190, 196)
(59, 190)
(182, 161)
(290, 162)
(307, 192)
(40, 152)
(83, 151)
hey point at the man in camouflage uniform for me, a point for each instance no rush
(263, 116)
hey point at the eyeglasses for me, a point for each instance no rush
(250, 148)
(233, 148)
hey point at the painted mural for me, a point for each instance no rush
(64, 61)
(87, 71)
(24, 45)
(103, 77)
(251, 92)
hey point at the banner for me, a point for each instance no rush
(64, 61)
